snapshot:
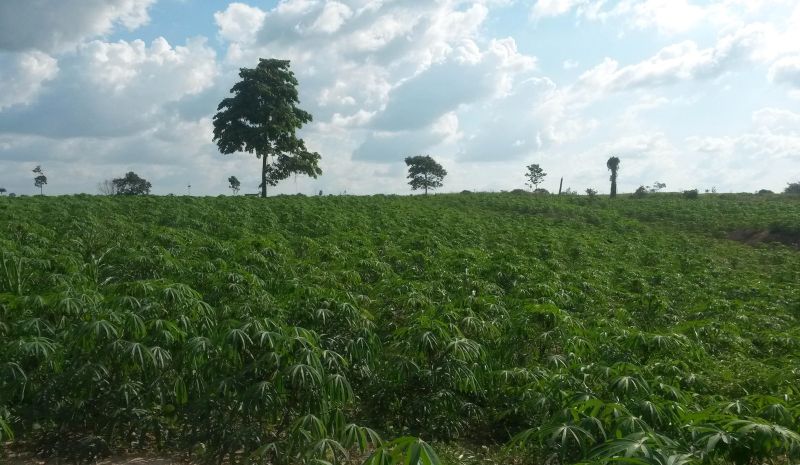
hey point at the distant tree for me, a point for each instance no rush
(262, 118)
(107, 187)
(591, 192)
(424, 173)
(535, 176)
(640, 192)
(765, 191)
(2, 190)
(569, 191)
(541, 190)
(792, 188)
(613, 165)
(40, 180)
(131, 184)
(234, 184)
(657, 187)
(691, 194)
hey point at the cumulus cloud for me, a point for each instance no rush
(57, 25)
(115, 89)
(683, 61)
(239, 22)
(22, 76)
(786, 71)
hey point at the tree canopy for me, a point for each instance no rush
(131, 184)
(535, 176)
(262, 117)
(40, 180)
(613, 165)
(234, 184)
(424, 173)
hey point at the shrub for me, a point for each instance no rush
(691, 194)
(764, 192)
(792, 188)
(519, 191)
(541, 190)
(591, 192)
(640, 192)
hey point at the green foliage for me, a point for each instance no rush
(424, 173)
(691, 194)
(640, 192)
(234, 184)
(238, 330)
(262, 117)
(40, 179)
(131, 184)
(535, 176)
(613, 165)
(792, 188)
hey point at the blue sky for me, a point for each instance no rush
(696, 94)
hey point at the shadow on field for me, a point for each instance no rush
(759, 236)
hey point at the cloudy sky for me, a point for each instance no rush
(696, 94)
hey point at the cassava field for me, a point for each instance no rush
(465, 328)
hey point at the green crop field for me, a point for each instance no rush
(464, 328)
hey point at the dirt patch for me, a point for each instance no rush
(113, 460)
(759, 236)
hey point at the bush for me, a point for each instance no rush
(466, 192)
(519, 192)
(591, 192)
(764, 192)
(792, 188)
(640, 192)
(691, 194)
(541, 190)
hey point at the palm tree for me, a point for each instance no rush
(613, 165)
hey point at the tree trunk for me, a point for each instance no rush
(613, 185)
(263, 175)
(560, 184)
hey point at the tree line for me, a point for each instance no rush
(262, 118)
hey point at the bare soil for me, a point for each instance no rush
(118, 460)
(759, 236)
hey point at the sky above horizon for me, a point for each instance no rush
(695, 94)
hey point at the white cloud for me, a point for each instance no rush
(116, 89)
(333, 15)
(22, 76)
(57, 25)
(550, 8)
(683, 61)
(159, 72)
(786, 71)
(777, 120)
(239, 22)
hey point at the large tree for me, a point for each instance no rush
(262, 117)
(535, 176)
(40, 180)
(131, 184)
(613, 165)
(424, 173)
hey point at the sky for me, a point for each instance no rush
(694, 94)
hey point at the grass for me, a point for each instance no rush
(500, 328)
